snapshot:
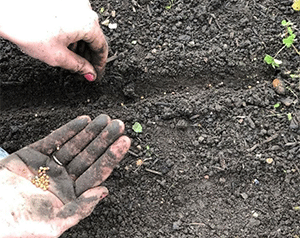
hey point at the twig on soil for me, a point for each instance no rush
(252, 124)
(273, 137)
(269, 139)
(170, 188)
(296, 168)
(284, 138)
(216, 167)
(292, 143)
(132, 153)
(217, 23)
(154, 171)
(149, 10)
(296, 49)
(253, 148)
(276, 115)
(279, 51)
(295, 95)
(197, 224)
(112, 58)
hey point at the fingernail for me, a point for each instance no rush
(103, 195)
(89, 77)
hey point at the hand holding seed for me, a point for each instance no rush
(53, 183)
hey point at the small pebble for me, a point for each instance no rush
(256, 182)
(255, 214)
(279, 86)
(176, 225)
(269, 160)
(244, 195)
(139, 147)
(287, 101)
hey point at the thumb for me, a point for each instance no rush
(71, 213)
(69, 60)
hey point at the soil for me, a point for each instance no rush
(218, 155)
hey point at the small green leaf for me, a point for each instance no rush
(270, 60)
(289, 40)
(147, 147)
(102, 9)
(277, 105)
(137, 127)
(170, 4)
(289, 116)
(284, 22)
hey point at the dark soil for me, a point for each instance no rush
(219, 160)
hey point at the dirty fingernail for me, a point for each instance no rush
(89, 77)
(103, 195)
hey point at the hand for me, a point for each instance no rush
(52, 184)
(62, 33)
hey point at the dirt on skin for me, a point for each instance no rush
(215, 158)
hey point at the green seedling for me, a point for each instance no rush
(285, 23)
(277, 105)
(171, 2)
(272, 61)
(289, 35)
(137, 128)
(148, 152)
(102, 10)
(287, 41)
(289, 116)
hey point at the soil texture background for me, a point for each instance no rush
(219, 151)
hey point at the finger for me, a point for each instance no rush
(69, 60)
(99, 48)
(82, 139)
(60, 183)
(60, 136)
(32, 158)
(95, 149)
(102, 168)
(70, 214)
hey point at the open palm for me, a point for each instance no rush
(73, 160)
